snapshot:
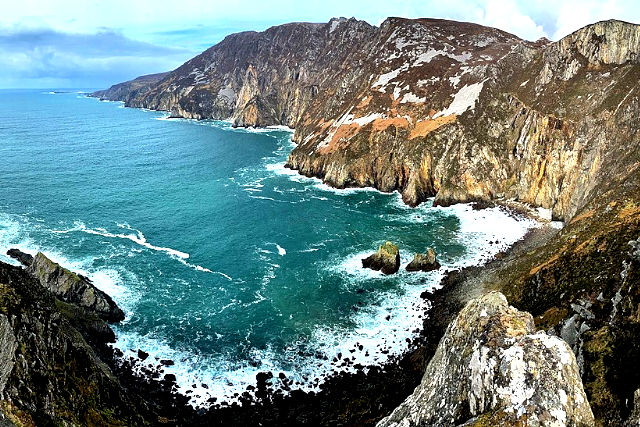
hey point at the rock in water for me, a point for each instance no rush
(491, 368)
(24, 258)
(424, 262)
(387, 259)
(73, 288)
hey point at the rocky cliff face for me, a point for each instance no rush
(49, 374)
(71, 287)
(122, 91)
(56, 365)
(259, 79)
(492, 368)
(426, 107)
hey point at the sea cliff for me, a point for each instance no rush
(428, 108)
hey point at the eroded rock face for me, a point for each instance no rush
(8, 347)
(424, 262)
(606, 42)
(492, 367)
(387, 259)
(71, 287)
(49, 373)
(426, 106)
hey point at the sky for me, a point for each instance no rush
(94, 44)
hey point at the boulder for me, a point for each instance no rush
(492, 368)
(424, 262)
(73, 288)
(387, 259)
(24, 258)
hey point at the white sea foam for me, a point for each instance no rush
(381, 329)
(14, 233)
(136, 237)
(281, 250)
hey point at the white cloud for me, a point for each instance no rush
(508, 16)
(573, 15)
(193, 25)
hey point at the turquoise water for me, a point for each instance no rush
(223, 260)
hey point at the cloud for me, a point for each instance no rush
(76, 49)
(508, 16)
(33, 57)
(573, 15)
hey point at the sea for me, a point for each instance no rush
(223, 260)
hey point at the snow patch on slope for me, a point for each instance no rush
(464, 100)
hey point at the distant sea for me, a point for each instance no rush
(223, 260)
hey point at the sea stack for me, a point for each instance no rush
(424, 262)
(387, 259)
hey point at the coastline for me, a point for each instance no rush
(346, 398)
(360, 398)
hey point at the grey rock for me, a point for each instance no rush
(24, 258)
(8, 345)
(387, 259)
(424, 262)
(73, 288)
(492, 367)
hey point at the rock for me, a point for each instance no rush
(167, 362)
(46, 363)
(73, 288)
(634, 418)
(142, 355)
(387, 259)
(8, 347)
(24, 258)
(424, 262)
(492, 368)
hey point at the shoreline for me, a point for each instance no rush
(391, 381)
(357, 398)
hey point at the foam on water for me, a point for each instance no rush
(137, 238)
(15, 233)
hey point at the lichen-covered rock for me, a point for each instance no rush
(387, 259)
(71, 287)
(606, 42)
(492, 367)
(424, 262)
(8, 347)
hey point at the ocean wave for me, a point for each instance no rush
(137, 237)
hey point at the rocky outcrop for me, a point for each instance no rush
(492, 368)
(22, 257)
(605, 42)
(386, 259)
(424, 262)
(8, 346)
(74, 288)
(49, 374)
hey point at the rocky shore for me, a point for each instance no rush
(428, 108)
(361, 398)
